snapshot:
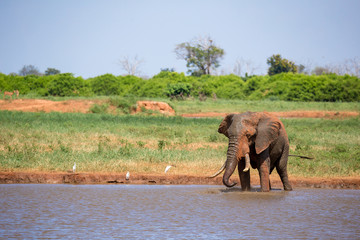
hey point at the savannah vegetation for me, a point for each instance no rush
(285, 81)
(173, 85)
(147, 144)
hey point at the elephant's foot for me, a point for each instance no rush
(245, 185)
(288, 187)
(265, 189)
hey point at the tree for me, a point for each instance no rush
(301, 68)
(51, 71)
(201, 55)
(320, 71)
(354, 66)
(167, 70)
(279, 65)
(349, 66)
(244, 67)
(131, 67)
(29, 70)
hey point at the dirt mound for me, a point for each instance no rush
(161, 107)
(167, 179)
(81, 106)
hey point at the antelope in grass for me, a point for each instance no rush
(17, 93)
(8, 94)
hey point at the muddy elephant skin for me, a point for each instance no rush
(259, 139)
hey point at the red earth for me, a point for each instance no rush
(83, 106)
(290, 114)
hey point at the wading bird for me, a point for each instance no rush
(127, 177)
(168, 167)
(74, 167)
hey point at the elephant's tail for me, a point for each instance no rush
(291, 155)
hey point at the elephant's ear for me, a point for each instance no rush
(225, 124)
(267, 131)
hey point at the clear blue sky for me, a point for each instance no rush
(88, 37)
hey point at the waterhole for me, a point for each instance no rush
(175, 212)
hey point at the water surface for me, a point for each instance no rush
(179, 212)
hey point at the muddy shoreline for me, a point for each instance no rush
(149, 179)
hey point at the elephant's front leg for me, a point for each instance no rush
(244, 176)
(264, 170)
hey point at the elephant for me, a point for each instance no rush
(258, 139)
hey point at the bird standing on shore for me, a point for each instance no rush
(127, 177)
(168, 167)
(74, 167)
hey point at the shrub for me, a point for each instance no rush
(283, 86)
(96, 108)
(65, 85)
(126, 105)
(178, 90)
(129, 85)
(106, 84)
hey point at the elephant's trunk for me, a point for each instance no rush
(231, 162)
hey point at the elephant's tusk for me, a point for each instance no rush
(247, 163)
(218, 172)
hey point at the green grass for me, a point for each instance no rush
(335, 145)
(101, 142)
(227, 106)
(146, 144)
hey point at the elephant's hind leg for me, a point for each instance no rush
(284, 178)
(281, 168)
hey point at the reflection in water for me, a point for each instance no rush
(187, 212)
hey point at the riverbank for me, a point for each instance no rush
(41, 147)
(167, 179)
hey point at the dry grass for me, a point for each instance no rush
(147, 144)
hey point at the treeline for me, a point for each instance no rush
(284, 86)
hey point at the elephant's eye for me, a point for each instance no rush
(248, 135)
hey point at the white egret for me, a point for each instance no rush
(74, 167)
(168, 167)
(127, 177)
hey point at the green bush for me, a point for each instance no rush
(125, 105)
(300, 87)
(106, 84)
(156, 86)
(66, 85)
(129, 85)
(96, 108)
(178, 90)
(284, 86)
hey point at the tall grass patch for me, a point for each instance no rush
(146, 144)
(334, 144)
